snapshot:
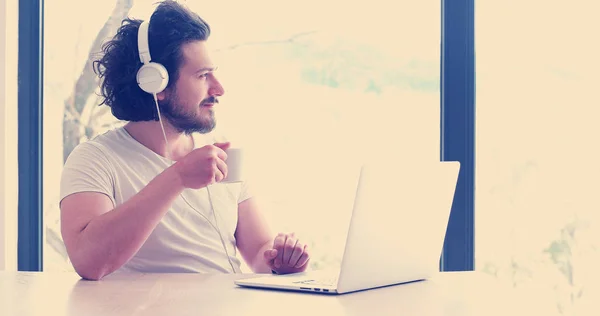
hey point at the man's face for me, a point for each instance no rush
(188, 106)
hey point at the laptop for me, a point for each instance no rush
(395, 236)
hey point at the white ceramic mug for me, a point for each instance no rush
(234, 161)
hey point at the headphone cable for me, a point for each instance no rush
(171, 162)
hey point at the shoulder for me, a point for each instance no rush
(93, 152)
(86, 150)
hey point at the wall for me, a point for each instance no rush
(8, 134)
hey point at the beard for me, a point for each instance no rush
(188, 122)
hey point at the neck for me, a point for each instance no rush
(150, 134)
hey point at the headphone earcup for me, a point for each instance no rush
(152, 78)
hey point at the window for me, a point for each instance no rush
(307, 92)
(537, 149)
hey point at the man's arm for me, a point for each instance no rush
(253, 236)
(283, 254)
(100, 239)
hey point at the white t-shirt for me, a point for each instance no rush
(118, 166)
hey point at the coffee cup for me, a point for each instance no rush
(234, 161)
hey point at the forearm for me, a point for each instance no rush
(112, 239)
(259, 264)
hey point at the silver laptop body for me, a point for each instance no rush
(396, 232)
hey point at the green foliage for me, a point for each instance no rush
(347, 64)
(561, 250)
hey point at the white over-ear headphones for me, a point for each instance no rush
(151, 77)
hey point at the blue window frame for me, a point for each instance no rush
(457, 131)
(30, 156)
(457, 127)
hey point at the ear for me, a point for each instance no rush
(161, 95)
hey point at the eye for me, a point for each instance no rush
(203, 75)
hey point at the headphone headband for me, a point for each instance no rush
(143, 47)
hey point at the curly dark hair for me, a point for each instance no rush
(171, 26)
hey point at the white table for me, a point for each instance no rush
(45, 293)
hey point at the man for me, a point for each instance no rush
(140, 199)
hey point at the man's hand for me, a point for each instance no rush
(288, 255)
(203, 166)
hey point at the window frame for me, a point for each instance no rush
(457, 128)
(30, 245)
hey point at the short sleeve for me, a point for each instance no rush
(245, 192)
(87, 169)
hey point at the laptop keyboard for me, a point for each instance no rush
(321, 281)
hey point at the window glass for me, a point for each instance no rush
(310, 88)
(537, 223)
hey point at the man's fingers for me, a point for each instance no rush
(221, 153)
(303, 259)
(278, 244)
(221, 148)
(270, 254)
(288, 249)
(221, 170)
(290, 252)
(298, 251)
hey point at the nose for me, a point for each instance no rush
(216, 89)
